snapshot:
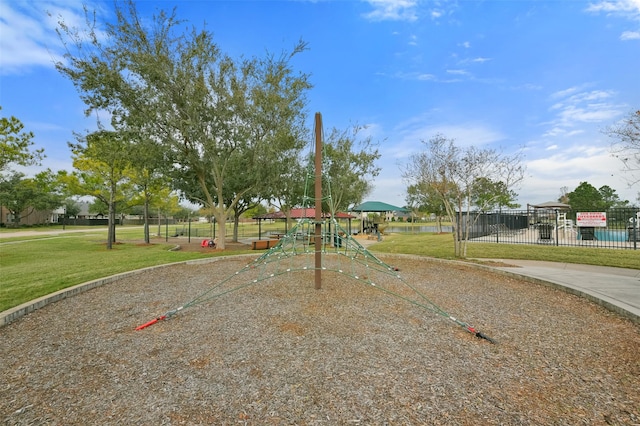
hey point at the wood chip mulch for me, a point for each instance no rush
(280, 352)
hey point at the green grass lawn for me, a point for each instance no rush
(441, 246)
(31, 267)
(43, 265)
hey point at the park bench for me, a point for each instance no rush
(263, 244)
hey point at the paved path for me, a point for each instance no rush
(616, 288)
(55, 233)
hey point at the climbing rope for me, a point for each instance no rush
(351, 259)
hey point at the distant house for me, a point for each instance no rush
(28, 217)
(82, 214)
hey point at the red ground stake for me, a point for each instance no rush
(153, 321)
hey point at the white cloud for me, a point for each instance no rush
(630, 8)
(565, 93)
(409, 135)
(407, 10)
(414, 76)
(527, 86)
(630, 35)
(627, 9)
(575, 107)
(389, 187)
(568, 167)
(23, 39)
(478, 60)
(458, 72)
(595, 112)
(392, 10)
(573, 149)
(28, 32)
(591, 96)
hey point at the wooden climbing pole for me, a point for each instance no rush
(318, 196)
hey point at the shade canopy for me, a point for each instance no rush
(551, 205)
(378, 206)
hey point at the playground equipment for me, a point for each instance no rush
(335, 250)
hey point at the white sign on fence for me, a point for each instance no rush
(592, 219)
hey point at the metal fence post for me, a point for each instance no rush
(557, 214)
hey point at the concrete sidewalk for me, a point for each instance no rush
(617, 289)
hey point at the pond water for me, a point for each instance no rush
(416, 229)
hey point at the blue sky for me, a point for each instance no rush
(545, 77)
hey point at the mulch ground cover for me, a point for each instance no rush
(281, 352)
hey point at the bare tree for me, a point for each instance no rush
(626, 146)
(453, 173)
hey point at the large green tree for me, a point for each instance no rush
(610, 198)
(422, 197)
(148, 180)
(15, 144)
(487, 195)
(213, 116)
(349, 162)
(588, 198)
(287, 190)
(102, 166)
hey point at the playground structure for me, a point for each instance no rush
(335, 250)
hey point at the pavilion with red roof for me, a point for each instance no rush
(299, 213)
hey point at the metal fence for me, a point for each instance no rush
(619, 228)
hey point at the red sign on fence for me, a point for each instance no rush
(592, 219)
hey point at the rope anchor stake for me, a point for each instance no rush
(160, 318)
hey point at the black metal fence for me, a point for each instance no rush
(615, 228)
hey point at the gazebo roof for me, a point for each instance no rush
(378, 206)
(551, 205)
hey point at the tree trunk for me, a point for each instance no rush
(287, 219)
(236, 221)
(147, 238)
(111, 220)
(221, 218)
(113, 234)
(459, 229)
